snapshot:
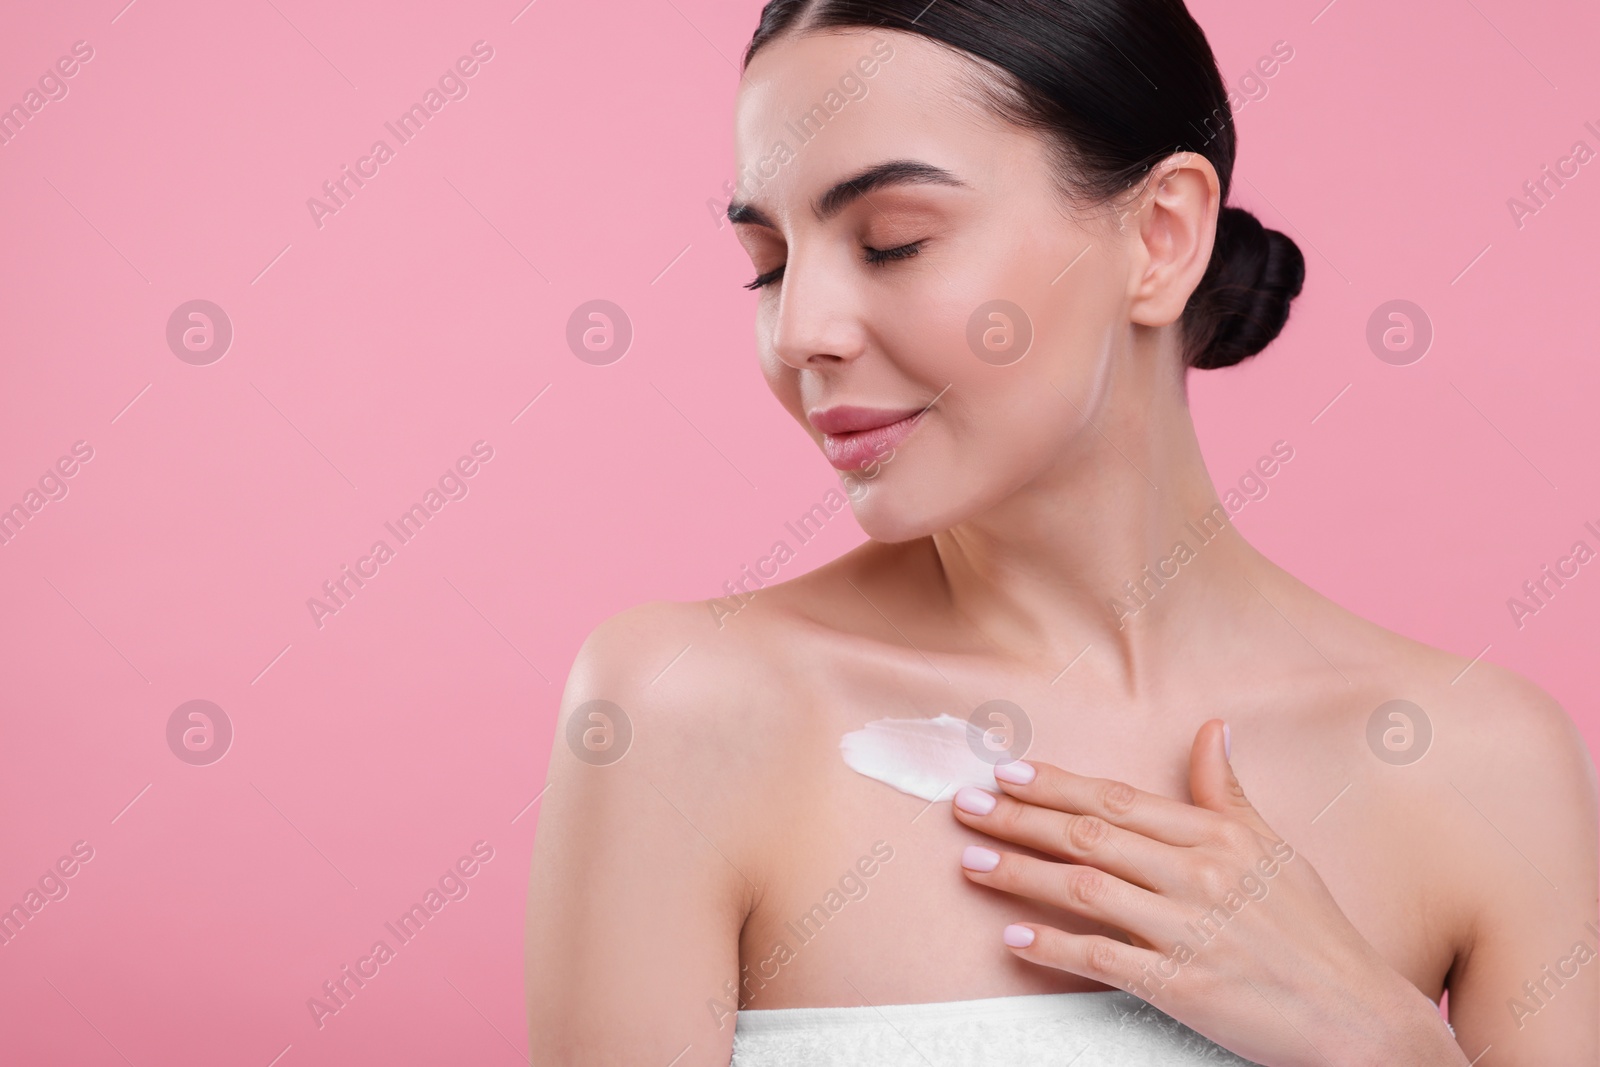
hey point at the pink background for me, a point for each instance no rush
(372, 752)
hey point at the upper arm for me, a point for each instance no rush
(634, 905)
(1528, 987)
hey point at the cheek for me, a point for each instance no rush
(925, 338)
(1016, 321)
(1012, 421)
(1080, 325)
(1013, 424)
(959, 344)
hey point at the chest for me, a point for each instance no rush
(864, 901)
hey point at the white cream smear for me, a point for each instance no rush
(928, 758)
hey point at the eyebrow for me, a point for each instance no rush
(844, 193)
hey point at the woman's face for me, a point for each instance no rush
(950, 281)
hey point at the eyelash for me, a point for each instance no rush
(876, 256)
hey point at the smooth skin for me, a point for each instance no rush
(724, 857)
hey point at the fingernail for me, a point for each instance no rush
(1015, 772)
(971, 799)
(978, 858)
(1227, 742)
(1018, 936)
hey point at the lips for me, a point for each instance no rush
(853, 437)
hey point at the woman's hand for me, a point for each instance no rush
(1232, 933)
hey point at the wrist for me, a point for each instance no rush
(1406, 1028)
(1427, 1041)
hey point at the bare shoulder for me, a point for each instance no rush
(718, 650)
(1516, 770)
(677, 677)
(653, 766)
(1473, 719)
(647, 852)
(696, 703)
(1487, 787)
(632, 649)
(1484, 723)
(700, 659)
(1486, 801)
(1509, 723)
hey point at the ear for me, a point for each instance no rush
(1176, 220)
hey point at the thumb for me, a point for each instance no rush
(1211, 779)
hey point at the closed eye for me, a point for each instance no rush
(762, 280)
(884, 255)
(875, 256)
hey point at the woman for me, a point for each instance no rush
(990, 239)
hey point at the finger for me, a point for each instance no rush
(1085, 891)
(1084, 839)
(1157, 817)
(1213, 782)
(1094, 956)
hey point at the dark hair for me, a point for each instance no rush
(1082, 71)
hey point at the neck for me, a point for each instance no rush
(1120, 546)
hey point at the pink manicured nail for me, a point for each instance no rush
(1015, 772)
(1018, 936)
(972, 799)
(978, 858)
(1227, 741)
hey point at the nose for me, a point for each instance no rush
(818, 319)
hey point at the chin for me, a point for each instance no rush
(897, 506)
(890, 526)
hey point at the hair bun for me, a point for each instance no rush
(1243, 298)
